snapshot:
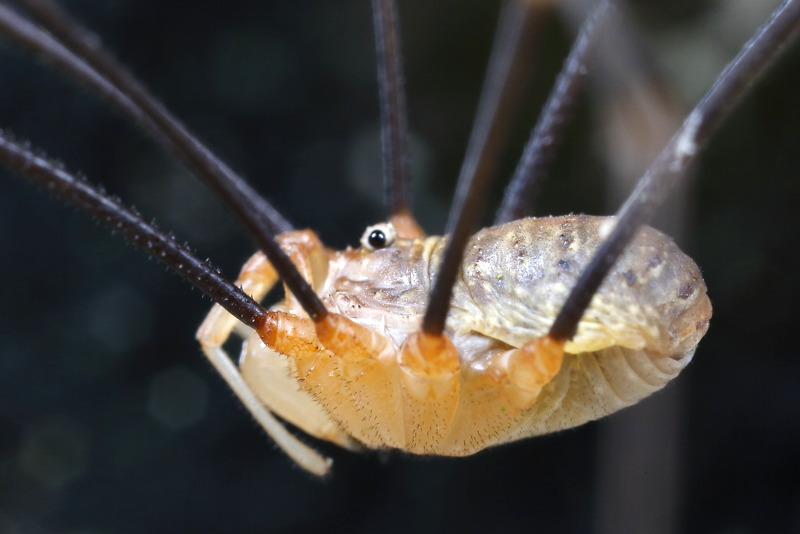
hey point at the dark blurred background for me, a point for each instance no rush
(111, 421)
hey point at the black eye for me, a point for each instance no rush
(377, 239)
(378, 236)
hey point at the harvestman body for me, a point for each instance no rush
(640, 332)
(433, 345)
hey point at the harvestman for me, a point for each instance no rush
(427, 344)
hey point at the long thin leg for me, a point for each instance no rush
(671, 164)
(486, 140)
(246, 205)
(394, 118)
(120, 219)
(188, 147)
(550, 128)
